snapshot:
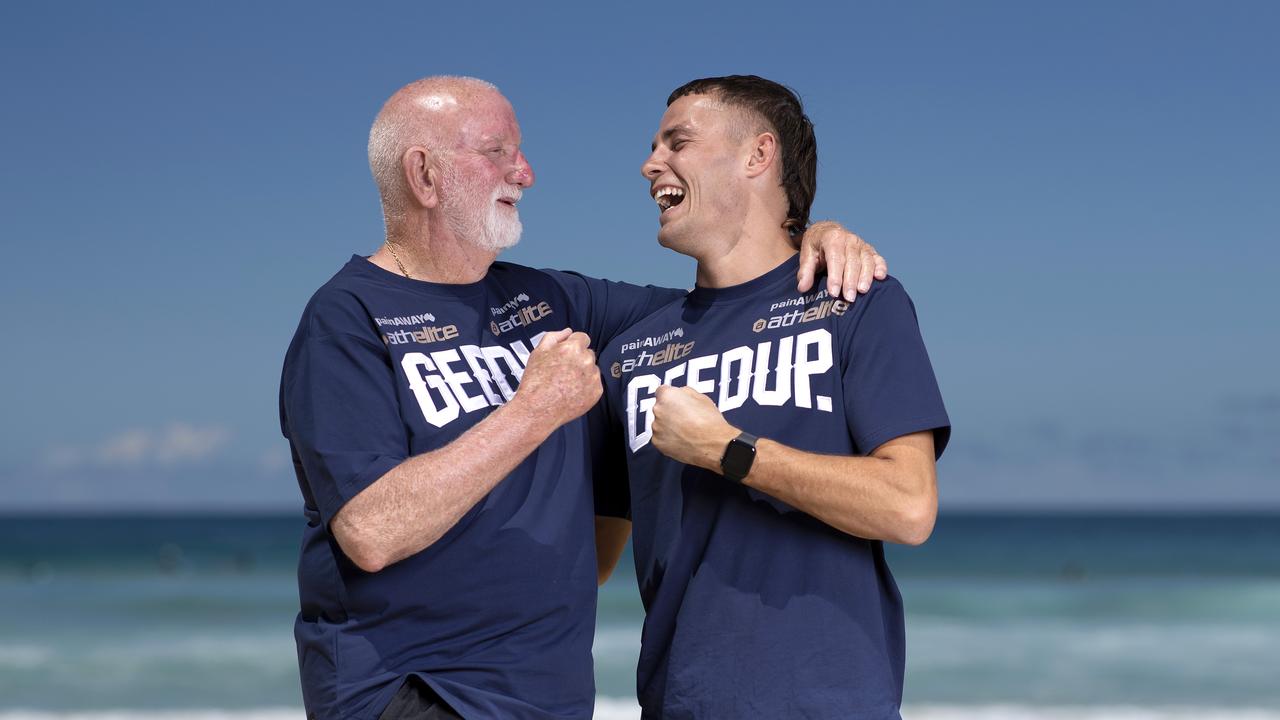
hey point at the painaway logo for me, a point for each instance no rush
(509, 305)
(418, 319)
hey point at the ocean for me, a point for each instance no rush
(1038, 616)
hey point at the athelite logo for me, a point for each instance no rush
(668, 352)
(522, 317)
(767, 375)
(800, 315)
(423, 334)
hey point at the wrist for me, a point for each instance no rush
(715, 450)
(721, 443)
(529, 417)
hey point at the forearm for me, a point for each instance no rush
(419, 500)
(889, 496)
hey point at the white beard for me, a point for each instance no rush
(474, 216)
(501, 229)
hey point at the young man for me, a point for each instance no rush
(433, 401)
(773, 439)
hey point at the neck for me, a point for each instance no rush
(756, 251)
(431, 255)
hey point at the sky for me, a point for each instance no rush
(1083, 200)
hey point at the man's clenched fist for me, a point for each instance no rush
(688, 427)
(560, 381)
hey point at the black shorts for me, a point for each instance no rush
(415, 700)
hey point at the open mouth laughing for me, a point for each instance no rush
(667, 197)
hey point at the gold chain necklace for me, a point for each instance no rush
(397, 259)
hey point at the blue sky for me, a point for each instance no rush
(1082, 199)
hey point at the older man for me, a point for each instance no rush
(773, 438)
(433, 398)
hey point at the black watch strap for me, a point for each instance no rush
(738, 456)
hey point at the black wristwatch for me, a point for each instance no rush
(738, 456)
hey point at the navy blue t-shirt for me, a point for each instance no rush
(497, 615)
(753, 608)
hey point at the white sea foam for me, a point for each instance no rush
(624, 709)
(1116, 712)
(250, 714)
(616, 709)
(608, 708)
(24, 656)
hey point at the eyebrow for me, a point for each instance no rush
(667, 134)
(499, 139)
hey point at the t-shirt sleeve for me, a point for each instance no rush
(610, 481)
(607, 307)
(889, 386)
(342, 416)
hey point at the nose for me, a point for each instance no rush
(652, 166)
(521, 172)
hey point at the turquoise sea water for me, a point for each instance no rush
(1009, 616)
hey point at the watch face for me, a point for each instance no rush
(738, 457)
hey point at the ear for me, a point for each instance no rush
(763, 154)
(421, 176)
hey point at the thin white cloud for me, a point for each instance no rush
(177, 443)
(128, 448)
(274, 461)
(181, 443)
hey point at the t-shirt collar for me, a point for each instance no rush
(766, 282)
(361, 265)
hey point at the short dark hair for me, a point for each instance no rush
(780, 107)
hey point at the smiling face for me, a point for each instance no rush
(484, 174)
(694, 173)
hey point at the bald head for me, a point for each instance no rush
(425, 113)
